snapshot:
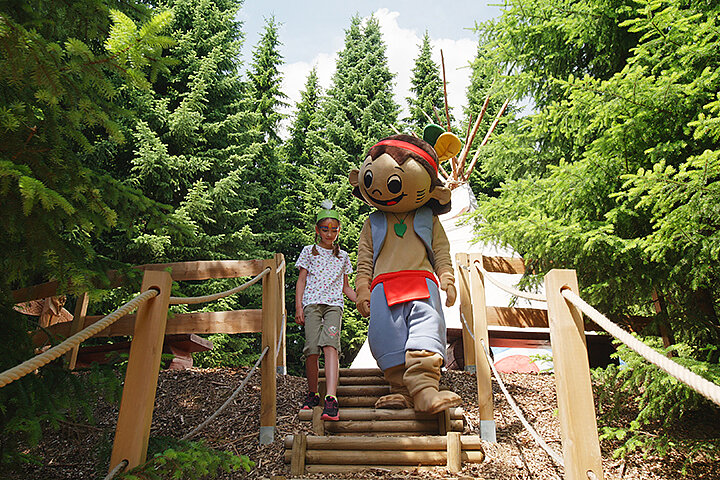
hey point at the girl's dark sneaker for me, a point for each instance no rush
(312, 400)
(330, 412)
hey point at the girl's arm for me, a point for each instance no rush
(299, 291)
(349, 291)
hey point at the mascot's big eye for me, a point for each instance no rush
(368, 178)
(394, 184)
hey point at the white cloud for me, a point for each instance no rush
(295, 75)
(403, 47)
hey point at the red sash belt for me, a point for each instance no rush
(405, 285)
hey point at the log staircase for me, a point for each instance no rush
(366, 438)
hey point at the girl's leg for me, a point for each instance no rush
(311, 371)
(332, 367)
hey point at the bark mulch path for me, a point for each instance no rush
(186, 398)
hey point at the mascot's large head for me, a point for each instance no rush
(400, 174)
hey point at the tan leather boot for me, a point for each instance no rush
(422, 378)
(399, 396)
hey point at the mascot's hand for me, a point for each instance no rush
(447, 283)
(363, 301)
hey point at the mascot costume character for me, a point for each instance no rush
(401, 250)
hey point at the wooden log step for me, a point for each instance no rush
(361, 381)
(359, 426)
(384, 414)
(356, 372)
(435, 442)
(352, 402)
(341, 469)
(384, 457)
(362, 390)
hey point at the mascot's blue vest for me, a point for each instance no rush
(422, 224)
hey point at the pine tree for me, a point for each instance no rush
(188, 141)
(359, 108)
(263, 175)
(427, 89)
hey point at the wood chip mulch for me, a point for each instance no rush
(186, 398)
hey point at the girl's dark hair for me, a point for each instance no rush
(336, 247)
(401, 155)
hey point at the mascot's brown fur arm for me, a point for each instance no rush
(364, 270)
(443, 262)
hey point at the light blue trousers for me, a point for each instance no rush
(413, 325)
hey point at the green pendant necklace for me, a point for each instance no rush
(400, 227)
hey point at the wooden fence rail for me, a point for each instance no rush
(150, 324)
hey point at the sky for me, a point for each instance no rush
(312, 32)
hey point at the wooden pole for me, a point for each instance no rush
(297, 462)
(447, 108)
(77, 324)
(483, 371)
(362, 390)
(454, 451)
(487, 137)
(318, 424)
(466, 310)
(138, 397)
(268, 370)
(576, 409)
(360, 426)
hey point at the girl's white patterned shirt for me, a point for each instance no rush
(325, 275)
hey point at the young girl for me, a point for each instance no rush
(323, 279)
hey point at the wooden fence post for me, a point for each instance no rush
(81, 306)
(576, 409)
(466, 310)
(138, 397)
(268, 370)
(454, 452)
(486, 405)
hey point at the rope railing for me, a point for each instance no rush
(48, 356)
(230, 398)
(507, 288)
(704, 387)
(118, 468)
(219, 295)
(282, 334)
(518, 412)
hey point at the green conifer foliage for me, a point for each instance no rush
(263, 174)
(188, 143)
(60, 118)
(616, 174)
(427, 88)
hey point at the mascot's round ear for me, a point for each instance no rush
(441, 194)
(353, 177)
